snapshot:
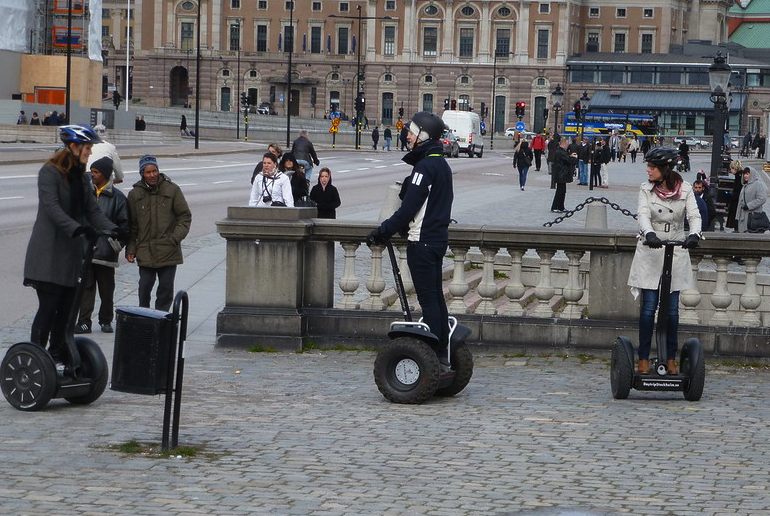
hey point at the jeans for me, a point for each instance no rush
(582, 172)
(386, 146)
(648, 307)
(425, 265)
(523, 176)
(165, 293)
(308, 168)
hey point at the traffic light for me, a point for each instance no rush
(545, 113)
(360, 103)
(401, 112)
(244, 100)
(454, 103)
(483, 109)
(446, 103)
(520, 108)
(116, 98)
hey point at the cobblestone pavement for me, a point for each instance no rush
(310, 434)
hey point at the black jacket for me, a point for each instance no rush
(113, 203)
(327, 201)
(523, 157)
(426, 205)
(302, 148)
(562, 167)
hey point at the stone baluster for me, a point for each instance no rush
(349, 281)
(487, 288)
(376, 283)
(750, 298)
(544, 290)
(515, 288)
(690, 298)
(406, 276)
(573, 291)
(721, 298)
(459, 286)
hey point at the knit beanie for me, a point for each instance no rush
(145, 160)
(103, 165)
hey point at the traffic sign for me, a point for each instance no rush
(521, 126)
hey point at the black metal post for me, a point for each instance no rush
(287, 102)
(69, 62)
(556, 110)
(180, 317)
(494, 98)
(238, 87)
(198, 80)
(359, 114)
(719, 135)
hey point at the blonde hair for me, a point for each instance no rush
(736, 165)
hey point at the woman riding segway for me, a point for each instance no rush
(664, 201)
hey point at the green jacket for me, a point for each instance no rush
(159, 219)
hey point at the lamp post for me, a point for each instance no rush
(238, 86)
(585, 103)
(719, 76)
(198, 78)
(556, 97)
(288, 76)
(69, 62)
(359, 94)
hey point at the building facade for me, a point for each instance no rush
(411, 54)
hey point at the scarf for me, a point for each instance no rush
(664, 193)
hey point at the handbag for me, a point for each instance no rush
(305, 202)
(758, 222)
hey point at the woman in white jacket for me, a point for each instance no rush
(271, 187)
(664, 200)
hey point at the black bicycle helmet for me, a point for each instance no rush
(661, 156)
(78, 134)
(430, 126)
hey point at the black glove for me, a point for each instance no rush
(89, 232)
(375, 238)
(691, 242)
(745, 208)
(653, 241)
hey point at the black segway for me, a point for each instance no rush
(30, 377)
(692, 365)
(408, 368)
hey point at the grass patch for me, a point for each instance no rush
(259, 348)
(584, 358)
(740, 363)
(153, 450)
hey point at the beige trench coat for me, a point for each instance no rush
(666, 219)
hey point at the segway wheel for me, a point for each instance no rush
(622, 368)
(692, 365)
(462, 364)
(94, 367)
(28, 377)
(406, 370)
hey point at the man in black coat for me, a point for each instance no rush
(562, 173)
(304, 152)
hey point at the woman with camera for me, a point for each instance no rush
(271, 187)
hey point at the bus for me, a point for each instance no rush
(603, 124)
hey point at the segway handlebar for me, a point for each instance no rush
(666, 243)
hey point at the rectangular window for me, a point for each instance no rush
(316, 6)
(642, 75)
(610, 75)
(390, 5)
(105, 14)
(427, 102)
(463, 102)
(105, 31)
(503, 42)
(592, 42)
(261, 4)
(466, 42)
(288, 38)
(389, 49)
(235, 4)
(235, 37)
(646, 44)
(543, 37)
(545, 8)
(582, 74)
(593, 12)
(261, 38)
(342, 40)
(289, 5)
(620, 12)
(620, 42)
(344, 7)
(429, 41)
(648, 12)
(186, 40)
(669, 76)
(315, 40)
(272, 94)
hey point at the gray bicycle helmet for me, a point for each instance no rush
(662, 156)
(427, 126)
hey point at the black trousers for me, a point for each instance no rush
(538, 157)
(54, 304)
(103, 278)
(425, 265)
(165, 293)
(558, 196)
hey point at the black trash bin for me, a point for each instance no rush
(144, 340)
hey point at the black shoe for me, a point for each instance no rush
(106, 328)
(82, 328)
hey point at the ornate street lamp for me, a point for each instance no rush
(585, 103)
(719, 78)
(556, 98)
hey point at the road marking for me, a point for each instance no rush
(164, 170)
(491, 174)
(10, 198)
(18, 177)
(221, 182)
(365, 168)
(381, 166)
(342, 171)
(187, 184)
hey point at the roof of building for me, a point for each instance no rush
(659, 100)
(761, 7)
(752, 35)
(612, 58)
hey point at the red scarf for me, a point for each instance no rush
(664, 193)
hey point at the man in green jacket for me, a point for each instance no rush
(159, 221)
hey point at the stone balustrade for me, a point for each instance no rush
(291, 278)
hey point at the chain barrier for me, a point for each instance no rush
(615, 206)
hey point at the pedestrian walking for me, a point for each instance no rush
(105, 149)
(304, 152)
(562, 173)
(736, 169)
(402, 137)
(599, 158)
(553, 144)
(645, 145)
(22, 119)
(751, 199)
(375, 137)
(522, 160)
(388, 135)
(538, 148)
(101, 275)
(664, 201)
(746, 147)
(761, 145)
(614, 146)
(159, 220)
(183, 127)
(623, 148)
(633, 148)
(708, 212)
(271, 186)
(325, 195)
(584, 158)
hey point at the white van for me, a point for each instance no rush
(467, 127)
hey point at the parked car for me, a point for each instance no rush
(266, 108)
(451, 147)
(693, 142)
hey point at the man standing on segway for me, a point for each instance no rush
(424, 215)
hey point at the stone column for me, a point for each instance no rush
(349, 281)
(750, 298)
(721, 298)
(544, 290)
(690, 298)
(573, 292)
(487, 288)
(376, 283)
(515, 288)
(459, 286)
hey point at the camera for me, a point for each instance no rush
(266, 199)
